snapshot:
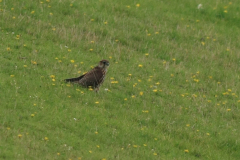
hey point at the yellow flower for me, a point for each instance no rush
(133, 96)
(50, 14)
(174, 59)
(137, 5)
(228, 109)
(71, 5)
(141, 93)
(187, 125)
(128, 6)
(146, 54)
(8, 48)
(225, 11)
(13, 17)
(155, 154)
(12, 9)
(91, 50)
(197, 20)
(140, 65)
(58, 154)
(92, 20)
(52, 76)
(203, 43)
(53, 80)
(208, 134)
(130, 74)
(172, 75)
(156, 32)
(32, 115)
(135, 146)
(53, 29)
(98, 146)
(11, 75)
(106, 22)
(69, 50)
(19, 135)
(97, 102)
(116, 40)
(155, 90)
(32, 12)
(186, 150)
(96, 132)
(72, 61)
(90, 151)
(34, 62)
(92, 42)
(144, 145)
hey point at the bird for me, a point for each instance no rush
(94, 78)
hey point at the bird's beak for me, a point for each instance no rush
(107, 64)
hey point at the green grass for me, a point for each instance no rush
(176, 67)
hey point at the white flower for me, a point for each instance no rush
(199, 6)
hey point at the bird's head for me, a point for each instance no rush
(103, 64)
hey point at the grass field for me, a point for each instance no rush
(171, 91)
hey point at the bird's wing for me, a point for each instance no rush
(92, 78)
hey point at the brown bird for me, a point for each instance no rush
(94, 78)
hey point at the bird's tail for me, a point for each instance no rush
(74, 79)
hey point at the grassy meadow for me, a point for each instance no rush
(171, 91)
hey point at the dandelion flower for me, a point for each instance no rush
(187, 125)
(106, 22)
(128, 6)
(96, 132)
(186, 150)
(58, 154)
(19, 135)
(197, 20)
(11, 75)
(140, 65)
(155, 154)
(72, 61)
(225, 11)
(50, 14)
(228, 109)
(8, 48)
(208, 134)
(137, 5)
(91, 50)
(156, 32)
(144, 145)
(71, 5)
(32, 115)
(141, 93)
(90, 151)
(203, 43)
(32, 12)
(92, 20)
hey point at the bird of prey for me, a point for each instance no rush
(94, 78)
